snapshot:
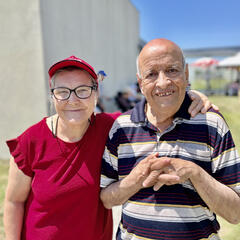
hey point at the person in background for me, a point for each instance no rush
(123, 102)
(171, 172)
(100, 106)
(54, 176)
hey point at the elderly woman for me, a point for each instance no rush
(53, 186)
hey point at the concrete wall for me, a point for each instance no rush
(103, 32)
(36, 33)
(22, 89)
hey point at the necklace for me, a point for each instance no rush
(54, 131)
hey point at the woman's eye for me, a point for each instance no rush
(62, 92)
(82, 90)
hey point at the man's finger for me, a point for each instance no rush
(166, 179)
(157, 186)
(150, 157)
(151, 179)
(160, 163)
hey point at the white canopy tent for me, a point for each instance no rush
(233, 61)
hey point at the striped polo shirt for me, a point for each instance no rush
(173, 212)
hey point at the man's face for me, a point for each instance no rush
(163, 78)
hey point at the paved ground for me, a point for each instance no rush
(116, 218)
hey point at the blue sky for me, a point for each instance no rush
(191, 23)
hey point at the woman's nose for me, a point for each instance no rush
(73, 97)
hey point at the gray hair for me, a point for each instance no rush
(137, 66)
(69, 69)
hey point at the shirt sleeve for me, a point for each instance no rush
(109, 171)
(18, 149)
(225, 158)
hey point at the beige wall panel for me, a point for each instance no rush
(22, 91)
(105, 33)
(36, 33)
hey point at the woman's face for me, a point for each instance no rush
(74, 110)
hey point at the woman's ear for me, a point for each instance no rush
(96, 99)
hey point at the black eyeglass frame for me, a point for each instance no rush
(93, 87)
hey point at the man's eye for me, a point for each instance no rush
(152, 75)
(172, 70)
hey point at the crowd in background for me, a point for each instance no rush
(123, 100)
(127, 99)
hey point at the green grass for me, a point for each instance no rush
(229, 107)
(3, 184)
(215, 83)
(229, 231)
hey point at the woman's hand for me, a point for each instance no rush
(200, 103)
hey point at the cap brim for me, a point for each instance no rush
(69, 63)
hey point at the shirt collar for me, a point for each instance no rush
(138, 112)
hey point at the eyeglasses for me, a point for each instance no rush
(82, 92)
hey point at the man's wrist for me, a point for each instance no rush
(196, 173)
(130, 183)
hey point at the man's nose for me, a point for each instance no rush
(162, 80)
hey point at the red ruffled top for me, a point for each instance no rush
(64, 199)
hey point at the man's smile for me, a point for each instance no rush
(164, 94)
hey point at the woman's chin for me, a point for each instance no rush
(76, 117)
(76, 121)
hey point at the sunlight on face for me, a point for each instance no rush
(164, 79)
(74, 110)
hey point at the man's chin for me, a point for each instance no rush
(166, 107)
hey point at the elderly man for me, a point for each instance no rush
(172, 172)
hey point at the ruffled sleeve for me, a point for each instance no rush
(17, 151)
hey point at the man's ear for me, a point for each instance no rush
(187, 73)
(139, 83)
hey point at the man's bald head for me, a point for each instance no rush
(159, 44)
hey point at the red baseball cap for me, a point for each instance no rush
(72, 61)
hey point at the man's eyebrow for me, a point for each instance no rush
(174, 65)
